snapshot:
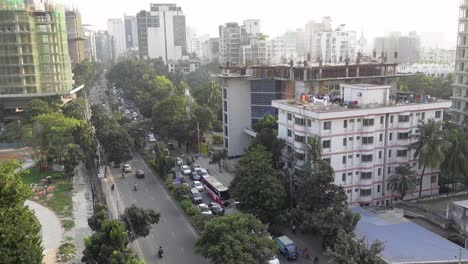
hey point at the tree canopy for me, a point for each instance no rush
(138, 221)
(236, 239)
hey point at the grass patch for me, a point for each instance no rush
(61, 202)
(68, 224)
(67, 251)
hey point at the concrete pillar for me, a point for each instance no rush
(357, 72)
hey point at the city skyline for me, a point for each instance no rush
(437, 24)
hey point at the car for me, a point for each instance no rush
(127, 111)
(195, 176)
(140, 174)
(204, 209)
(179, 161)
(197, 185)
(195, 196)
(203, 172)
(152, 139)
(135, 114)
(127, 168)
(185, 169)
(194, 166)
(216, 209)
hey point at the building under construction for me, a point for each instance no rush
(34, 58)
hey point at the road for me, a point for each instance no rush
(173, 232)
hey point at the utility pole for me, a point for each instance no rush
(198, 132)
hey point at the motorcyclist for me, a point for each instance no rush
(135, 187)
(160, 252)
(112, 187)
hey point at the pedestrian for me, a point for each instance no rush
(305, 252)
(316, 260)
(294, 229)
(193, 159)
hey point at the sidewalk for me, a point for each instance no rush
(51, 230)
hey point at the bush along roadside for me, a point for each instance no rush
(179, 193)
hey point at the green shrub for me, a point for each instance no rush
(169, 184)
(185, 203)
(179, 192)
(192, 211)
(199, 221)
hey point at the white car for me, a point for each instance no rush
(152, 139)
(274, 260)
(179, 161)
(135, 114)
(127, 168)
(185, 169)
(203, 172)
(127, 111)
(197, 185)
(204, 209)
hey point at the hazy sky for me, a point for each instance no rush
(436, 20)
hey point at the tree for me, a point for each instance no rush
(74, 109)
(138, 221)
(257, 186)
(170, 118)
(268, 121)
(236, 239)
(268, 138)
(73, 156)
(34, 108)
(456, 155)
(108, 244)
(219, 156)
(403, 181)
(429, 147)
(19, 228)
(83, 73)
(348, 250)
(202, 115)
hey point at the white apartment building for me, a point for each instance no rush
(311, 37)
(428, 69)
(116, 29)
(364, 140)
(229, 43)
(337, 46)
(252, 26)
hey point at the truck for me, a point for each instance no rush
(287, 247)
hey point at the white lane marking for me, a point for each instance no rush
(172, 233)
(164, 219)
(182, 249)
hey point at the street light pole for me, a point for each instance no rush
(198, 131)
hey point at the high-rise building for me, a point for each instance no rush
(162, 32)
(398, 48)
(229, 43)
(89, 43)
(116, 29)
(252, 26)
(364, 139)
(75, 36)
(311, 37)
(210, 50)
(337, 46)
(459, 110)
(131, 32)
(105, 49)
(34, 57)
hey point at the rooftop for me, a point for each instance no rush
(463, 203)
(405, 241)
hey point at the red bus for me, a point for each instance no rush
(217, 191)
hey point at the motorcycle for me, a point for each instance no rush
(161, 253)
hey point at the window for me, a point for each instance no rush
(299, 138)
(388, 186)
(381, 119)
(351, 121)
(226, 143)
(402, 153)
(345, 141)
(366, 158)
(326, 144)
(423, 115)
(403, 118)
(289, 149)
(368, 122)
(433, 178)
(359, 120)
(309, 122)
(327, 160)
(226, 131)
(381, 137)
(380, 154)
(378, 190)
(366, 192)
(350, 139)
(350, 156)
(391, 119)
(289, 133)
(225, 93)
(390, 153)
(437, 114)
(344, 159)
(348, 191)
(343, 177)
(358, 155)
(300, 156)
(358, 138)
(225, 106)
(345, 123)
(390, 136)
(327, 125)
(379, 171)
(350, 174)
(225, 119)
(299, 121)
(403, 135)
(356, 190)
(388, 170)
(366, 175)
(289, 116)
(367, 140)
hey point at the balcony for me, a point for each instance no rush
(366, 181)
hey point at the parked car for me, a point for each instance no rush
(203, 172)
(197, 185)
(127, 111)
(195, 196)
(179, 161)
(152, 139)
(194, 167)
(216, 209)
(127, 168)
(185, 169)
(286, 247)
(204, 209)
(140, 174)
(195, 176)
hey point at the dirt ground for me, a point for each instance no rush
(15, 154)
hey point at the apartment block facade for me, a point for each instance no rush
(363, 140)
